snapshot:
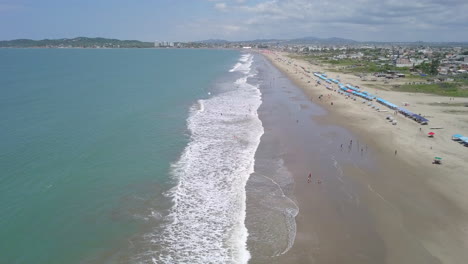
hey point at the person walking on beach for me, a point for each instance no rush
(395, 152)
(309, 178)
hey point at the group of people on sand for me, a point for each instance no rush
(328, 98)
(350, 146)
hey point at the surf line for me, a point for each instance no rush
(290, 244)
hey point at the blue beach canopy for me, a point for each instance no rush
(387, 103)
(419, 118)
(401, 109)
(352, 88)
(457, 136)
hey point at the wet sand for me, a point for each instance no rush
(364, 204)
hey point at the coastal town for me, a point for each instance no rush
(419, 59)
(385, 59)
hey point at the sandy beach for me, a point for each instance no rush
(378, 199)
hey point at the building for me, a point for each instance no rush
(403, 62)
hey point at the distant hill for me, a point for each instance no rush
(305, 40)
(309, 39)
(213, 41)
(315, 40)
(79, 42)
(264, 41)
(84, 42)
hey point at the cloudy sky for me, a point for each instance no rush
(186, 20)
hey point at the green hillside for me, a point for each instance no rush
(80, 42)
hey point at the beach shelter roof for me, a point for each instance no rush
(352, 87)
(457, 136)
(401, 109)
(431, 133)
(392, 105)
(420, 118)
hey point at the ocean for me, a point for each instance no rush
(126, 155)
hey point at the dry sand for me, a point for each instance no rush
(418, 209)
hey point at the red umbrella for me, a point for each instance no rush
(431, 133)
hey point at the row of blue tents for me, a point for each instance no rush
(461, 139)
(370, 96)
(349, 89)
(413, 116)
(364, 95)
(387, 103)
(360, 94)
(352, 88)
(323, 77)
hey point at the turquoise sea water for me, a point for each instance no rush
(86, 141)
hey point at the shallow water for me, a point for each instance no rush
(87, 140)
(296, 142)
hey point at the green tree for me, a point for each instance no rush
(433, 68)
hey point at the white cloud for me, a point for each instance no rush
(221, 6)
(360, 19)
(232, 28)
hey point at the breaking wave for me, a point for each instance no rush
(206, 222)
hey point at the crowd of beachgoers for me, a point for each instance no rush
(357, 93)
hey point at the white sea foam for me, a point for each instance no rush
(244, 64)
(235, 67)
(208, 215)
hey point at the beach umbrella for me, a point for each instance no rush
(431, 133)
(437, 158)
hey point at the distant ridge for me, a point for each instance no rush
(79, 42)
(315, 40)
(331, 41)
(305, 40)
(213, 41)
(85, 42)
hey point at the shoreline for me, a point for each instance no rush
(414, 215)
